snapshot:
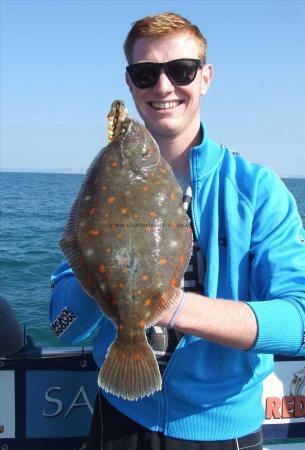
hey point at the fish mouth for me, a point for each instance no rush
(161, 105)
(117, 115)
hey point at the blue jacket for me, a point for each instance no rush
(209, 389)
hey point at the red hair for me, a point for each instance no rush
(161, 25)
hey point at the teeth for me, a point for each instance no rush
(165, 105)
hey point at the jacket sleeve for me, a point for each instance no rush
(278, 270)
(73, 314)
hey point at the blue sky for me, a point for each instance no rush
(62, 64)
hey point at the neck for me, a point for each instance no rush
(175, 149)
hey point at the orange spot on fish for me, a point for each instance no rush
(92, 211)
(121, 327)
(182, 259)
(108, 250)
(104, 188)
(142, 323)
(163, 170)
(173, 196)
(124, 210)
(173, 225)
(139, 292)
(174, 282)
(162, 301)
(162, 261)
(122, 356)
(153, 214)
(145, 189)
(114, 164)
(102, 268)
(148, 302)
(136, 216)
(94, 232)
(121, 285)
(111, 200)
(136, 356)
(145, 277)
(157, 182)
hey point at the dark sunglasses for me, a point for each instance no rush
(179, 71)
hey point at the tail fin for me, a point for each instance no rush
(130, 373)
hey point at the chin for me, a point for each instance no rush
(163, 131)
(164, 128)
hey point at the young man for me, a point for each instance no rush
(247, 274)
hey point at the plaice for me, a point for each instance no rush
(128, 240)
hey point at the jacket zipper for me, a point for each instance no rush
(162, 421)
(194, 192)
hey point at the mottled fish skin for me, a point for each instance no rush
(128, 240)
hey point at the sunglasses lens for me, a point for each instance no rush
(179, 71)
(182, 72)
(144, 75)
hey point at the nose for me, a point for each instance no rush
(164, 84)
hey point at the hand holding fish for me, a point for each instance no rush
(169, 316)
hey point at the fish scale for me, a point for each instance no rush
(128, 240)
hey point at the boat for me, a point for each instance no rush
(47, 397)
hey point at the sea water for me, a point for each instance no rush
(33, 210)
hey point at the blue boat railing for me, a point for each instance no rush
(47, 396)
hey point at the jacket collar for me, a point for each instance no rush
(206, 156)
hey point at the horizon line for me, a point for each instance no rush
(80, 171)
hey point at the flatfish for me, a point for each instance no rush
(128, 240)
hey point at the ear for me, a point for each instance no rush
(206, 78)
(128, 81)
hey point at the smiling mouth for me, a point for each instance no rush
(165, 105)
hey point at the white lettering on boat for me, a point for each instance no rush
(80, 399)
